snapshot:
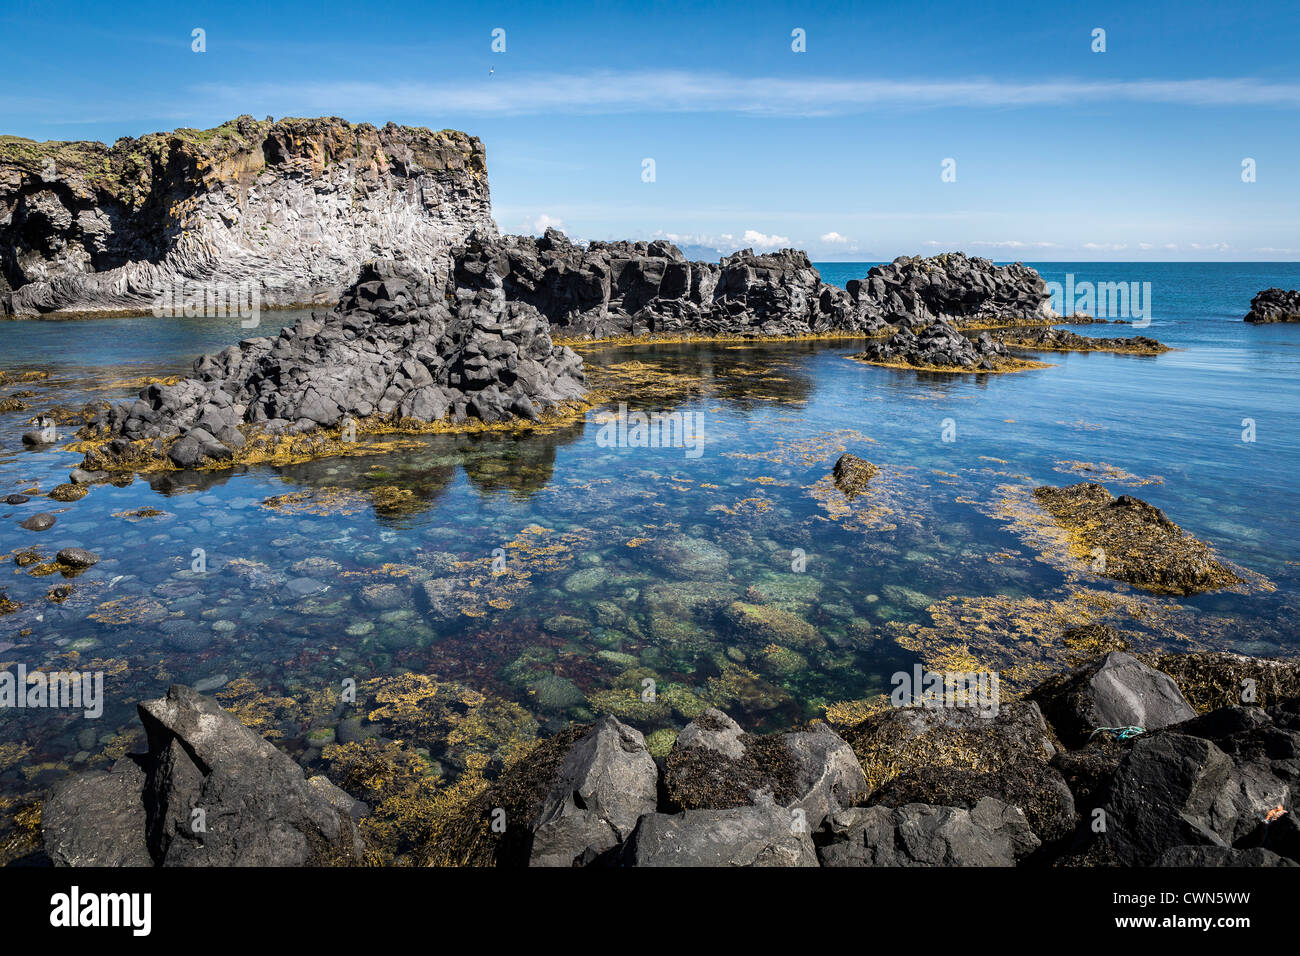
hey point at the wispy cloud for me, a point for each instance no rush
(683, 91)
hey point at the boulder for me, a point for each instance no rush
(208, 792)
(607, 781)
(1116, 691)
(852, 474)
(989, 834)
(762, 834)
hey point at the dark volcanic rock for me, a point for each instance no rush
(1221, 856)
(258, 807)
(852, 473)
(1116, 691)
(392, 351)
(77, 557)
(989, 834)
(1170, 791)
(41, 521)
(606, 782)
(1275, 305)
(1136, 541)
(610, 289)
(759, 835)
(715, 765)
(939, 347)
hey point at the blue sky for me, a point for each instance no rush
(1061, 153)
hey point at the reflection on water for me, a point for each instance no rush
(559, 574)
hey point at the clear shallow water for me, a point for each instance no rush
(623, 563)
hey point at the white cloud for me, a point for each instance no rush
(759, 241)
(537, 226)
(675, 91)
(834, 237)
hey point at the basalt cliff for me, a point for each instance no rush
(292, 208)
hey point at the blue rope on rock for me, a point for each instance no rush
(1121, 733)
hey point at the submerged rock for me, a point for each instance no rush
(1131, 540)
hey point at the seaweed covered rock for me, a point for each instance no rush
(990, 833)
(1116, 691)
(715, 765)
(852, 474)
(940, 347)
(1135, 541)
(1275, 305)
(1063, 340)
(956, 757)
(392, 353)
(1213, 679)
(258, 808)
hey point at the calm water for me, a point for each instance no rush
(617, 565)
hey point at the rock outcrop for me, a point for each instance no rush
(1275, 305)
(1130, 540)
(209, 792)
(292, 208)
(615, 289)
(1048, 339)
(940, 347)
(852, 474)
(393, 352)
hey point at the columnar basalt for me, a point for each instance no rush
(291, 208)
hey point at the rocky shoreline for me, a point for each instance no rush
(931, 784)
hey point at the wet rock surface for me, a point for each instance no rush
(1275, 305)
(1131, 540)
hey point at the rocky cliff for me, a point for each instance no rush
(291, 207)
